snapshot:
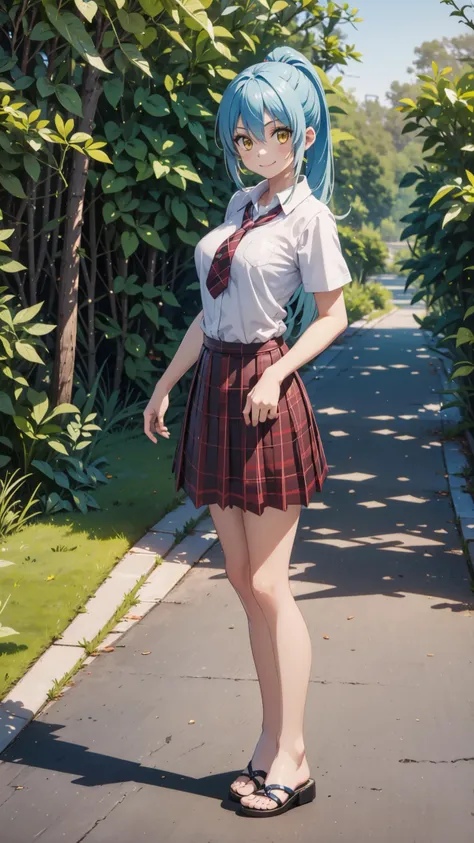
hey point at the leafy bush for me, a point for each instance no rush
(113, 408)
(378, 294)
(358, 301)
(442, 223)
(364, 250)
(32, 439)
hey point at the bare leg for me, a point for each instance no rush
(230, 528)
(270, 539)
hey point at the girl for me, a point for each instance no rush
(250, 446)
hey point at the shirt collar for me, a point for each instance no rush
(300, 192)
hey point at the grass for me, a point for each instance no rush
(188, 527)
(60, 561)
(379, 311)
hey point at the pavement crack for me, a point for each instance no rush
(224, 678)
(429, 761)
(246, 678)
(100, 819)
(2, 803)
(157, 749)
(192, 748)
(251, 679)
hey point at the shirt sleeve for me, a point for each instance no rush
(319, 256)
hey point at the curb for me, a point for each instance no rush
(456, 462)
(30, 694)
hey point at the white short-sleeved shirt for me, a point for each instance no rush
(299, 246)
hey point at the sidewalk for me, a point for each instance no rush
(378, 568)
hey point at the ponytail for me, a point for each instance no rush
(319, 156)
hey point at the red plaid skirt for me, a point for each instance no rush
(219, 459)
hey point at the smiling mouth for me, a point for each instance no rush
(268, 165)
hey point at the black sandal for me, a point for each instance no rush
(252, 774)
(301, 795)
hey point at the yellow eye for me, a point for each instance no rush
(243, 141)
(283, 135)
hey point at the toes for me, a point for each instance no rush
(239, 787)
(245, 792)
(259, 802)
(263, 803)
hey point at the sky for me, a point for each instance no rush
(387, 36)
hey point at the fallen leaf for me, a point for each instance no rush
(325, 636)
(146, 652)
(350, 617)
(191, 721)
(51, 577)
(108, 649)
(19, 787)
(95, 654)
(109, 476)
(430, 654)
(133, 617)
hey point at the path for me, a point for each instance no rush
(389, 727)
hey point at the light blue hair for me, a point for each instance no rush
(289, 89)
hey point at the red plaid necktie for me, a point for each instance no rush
(219, 273)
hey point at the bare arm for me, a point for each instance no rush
(187, 354)
(262, 400)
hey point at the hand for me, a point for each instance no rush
(262, 400)
(153, 416)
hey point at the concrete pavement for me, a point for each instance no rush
(378, 568)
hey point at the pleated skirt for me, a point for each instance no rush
(221, 460)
